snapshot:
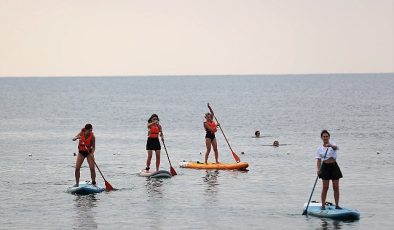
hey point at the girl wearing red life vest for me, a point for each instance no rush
(210, 139)
(153, 143)
(86, 148)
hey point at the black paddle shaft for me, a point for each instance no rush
(220, 127)
(95, 164)
(305, 212)
(166, 152)
(99, 170)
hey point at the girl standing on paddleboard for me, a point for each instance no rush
(210, 139)
(86, 148)
(153, 143)
(329, 169)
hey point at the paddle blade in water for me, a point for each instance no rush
(108, 186)
(173, 172)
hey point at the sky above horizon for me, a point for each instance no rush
(185, 37)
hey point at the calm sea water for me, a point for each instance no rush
(39, 116)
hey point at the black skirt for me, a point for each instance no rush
(330, 171)
(153, 144)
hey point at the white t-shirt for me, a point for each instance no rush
(331, 153)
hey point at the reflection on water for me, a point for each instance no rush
(85, 216)
(211, 179)
(153, 187)
(334, 224)
(327, 224)
(155, 202)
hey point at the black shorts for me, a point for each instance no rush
(153, 144)
(210, 136)
(330, 171)
(84, 153)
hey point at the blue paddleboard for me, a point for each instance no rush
(85, 188)
(156, 174)
(314, 209)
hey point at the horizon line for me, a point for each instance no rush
(189, 75)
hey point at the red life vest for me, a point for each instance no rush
(85, 144)
(154, 131)
(212, 124)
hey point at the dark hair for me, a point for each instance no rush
(88, 126)
(151, 117)
(323, 132)
(257, 132)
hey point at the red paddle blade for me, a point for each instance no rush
(108, 186)
(173, 172)
(236, 157)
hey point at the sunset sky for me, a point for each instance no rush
(200, 37)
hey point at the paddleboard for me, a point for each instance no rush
(85, 188)
(314, 209)
(155, 174)
(210, 165)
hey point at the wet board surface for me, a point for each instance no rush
(314, 209)
(210, 165)
(85, 188)
(155, 174)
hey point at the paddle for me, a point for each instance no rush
(108, 186)
(220, 127)
(317, 177)
(172, 170)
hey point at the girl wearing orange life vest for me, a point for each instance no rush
(86, 148)
(153, 143)
(210, 139)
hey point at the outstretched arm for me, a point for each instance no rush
(332, 145)
(151, 123)
(77, 137)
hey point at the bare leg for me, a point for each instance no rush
(157, 159)
(78, 164)
(148, 160)
(215, 149)
(208, 145)
(335, 186)
(92, 168)
(326, 185)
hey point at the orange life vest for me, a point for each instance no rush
(212, 124)
(154, 131)
(85, 143)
